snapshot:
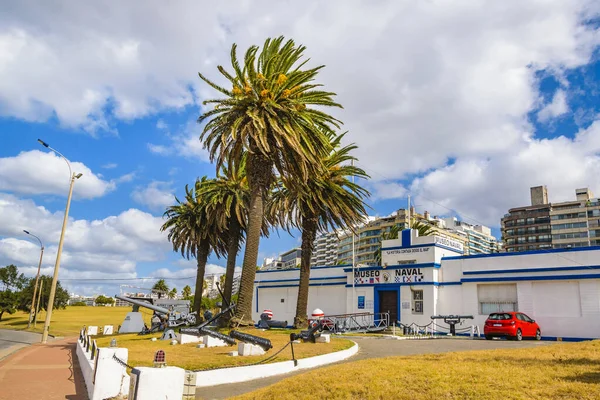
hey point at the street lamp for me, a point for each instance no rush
(60, 244)
(37, 277)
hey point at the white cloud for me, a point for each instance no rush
(113, 245)
(185, 143)
(156, 196)
(422, 83)
(110, 166)
(485, 188)
(557, 107)
(37, 172)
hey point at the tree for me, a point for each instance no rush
(227, 198)
(186, 292)
(268, 113)
(103, 300)
(173, 293)
(326, 200)
(193, 234)
(61, 297)
(161, 288)
(12, 283)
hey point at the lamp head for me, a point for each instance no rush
(79, 175)
(43, 143)
(27, 232)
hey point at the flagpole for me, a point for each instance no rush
(353, 260)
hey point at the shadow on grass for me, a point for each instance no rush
(586, 377)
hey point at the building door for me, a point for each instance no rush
(388, 302)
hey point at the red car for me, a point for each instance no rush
(512, 325)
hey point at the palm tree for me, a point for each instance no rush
(227, 198)
(327, 200)
(186, 293)
(161, 288)
(193, 234)
(268, 112)
(173, 293)
(423, 228)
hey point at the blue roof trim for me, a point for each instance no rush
(424, 245)
(521, 253)
(390, 285)
(310, 284)
(310, 279)
(532, 278)
(298, 269)
(523, 270)
(398, 266)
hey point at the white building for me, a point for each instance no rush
(426, 276)
(325, 249)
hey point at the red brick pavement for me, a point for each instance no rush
(43, 372)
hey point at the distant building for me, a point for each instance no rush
(325, 249)
(89, 301)
(545, 225)
(291, 258)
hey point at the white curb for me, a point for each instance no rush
(248, 373)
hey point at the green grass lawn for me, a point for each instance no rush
(562, 371)
(69, 321)
(142, 349)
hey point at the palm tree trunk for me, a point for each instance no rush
(259, 172)
(201, 257)
(232, 250)
(309, 230)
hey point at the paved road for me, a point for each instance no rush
(375, 348)
(11, 341)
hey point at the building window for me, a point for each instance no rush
(497, 298)
(417, 297)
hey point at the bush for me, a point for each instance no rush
(79, 304)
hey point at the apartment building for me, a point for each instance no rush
(545, 225)
(478, 238)
(325, 249)
(528, 227)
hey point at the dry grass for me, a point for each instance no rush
(68, 322)
(142, 349)
(565, 371)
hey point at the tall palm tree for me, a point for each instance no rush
(161, 288)
(227, 198)
(327, 200)
(193, 234)
(269, 111)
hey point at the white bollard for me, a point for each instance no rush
(472, 333)
(107, 330)
(92, 330)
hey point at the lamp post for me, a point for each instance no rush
(37, 278)
(60, 244)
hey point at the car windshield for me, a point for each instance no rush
(500, 316)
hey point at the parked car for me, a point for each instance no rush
(512, 325)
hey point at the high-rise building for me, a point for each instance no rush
(478, 238)
(545, 225)
(325, 249)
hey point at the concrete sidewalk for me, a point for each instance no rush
(39, 371)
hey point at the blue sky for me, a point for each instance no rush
(462, 106)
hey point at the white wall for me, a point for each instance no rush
(104, 377)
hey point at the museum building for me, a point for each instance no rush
(429, 276)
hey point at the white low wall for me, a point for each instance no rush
(104, 377)
(248, 373)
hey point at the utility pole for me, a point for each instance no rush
(37, 309)
(37, 278)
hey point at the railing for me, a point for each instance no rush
(357, 322)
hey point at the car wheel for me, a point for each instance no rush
(538, 335)
(488, 337)
(519, 336)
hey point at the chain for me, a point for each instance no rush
(121, 362)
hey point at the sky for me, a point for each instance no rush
(463, 105)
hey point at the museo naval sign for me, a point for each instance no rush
(402, 275)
